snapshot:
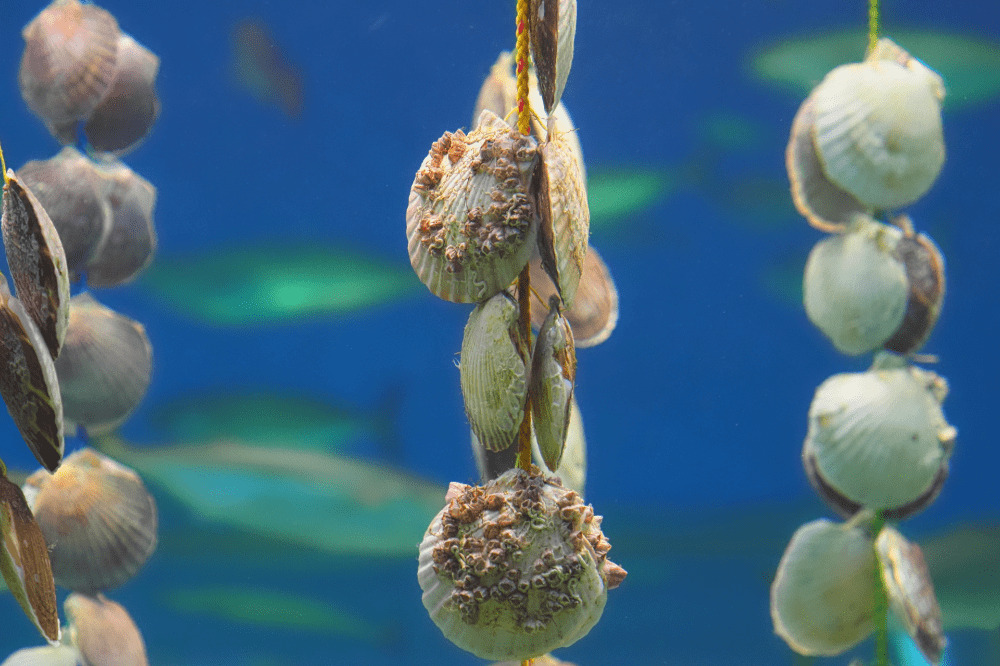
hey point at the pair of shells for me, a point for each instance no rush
(516, 567)
(103, 213)
(822, 598)
(867, 138)
(878, 439)
(875, 286)
(98, 518)
(552, 28)
(499, 371)
(78, 66)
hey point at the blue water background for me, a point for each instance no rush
(695, 409)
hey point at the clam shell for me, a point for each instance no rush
(24, 561)
(105, 365)
(130, 243)
(514, 568)
(564, 228)
(47, 655)
(924, 266)
(103, 632)
(855, 287)
(878, 439)
(494, 372)
(877, 128)
(911, 592)
(69, 60)
(28, 383)
(98, 518)
(470, 222)
(37, 261)
(552, 24)
(72, 193)
(127, 113)
(553, 373)
(822, 598)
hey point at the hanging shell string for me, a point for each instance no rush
(521, 55)
(881, 605)
(872, 24)
(3, 166)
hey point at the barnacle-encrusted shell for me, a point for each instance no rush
(553, 373)
(822, 597)
(105, 365)
(24, 561)
(877, 127)
(878, 439)
(470, 223)
(855, 288)
(69, 60)
(28, 381)
(37, 261)
(594, 313)
(911, 592)
(516, 567)
(564, 225)
(98, 518)
(72, 193)
(127, 113)
(494, 371)
(130, 243)
(552, 24)
(925, 275)
(103, 632)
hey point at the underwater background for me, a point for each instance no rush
(694, 409)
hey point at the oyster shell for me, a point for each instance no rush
(470, 221)
(878, 439)
(128, 246)
(103, 632)
(552, 24)
(553, 373)
(494, 371)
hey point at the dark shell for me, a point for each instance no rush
(924, 266)
(131, 241)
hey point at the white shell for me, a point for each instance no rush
(103, 632)
(822, 596)
(855, 287)
(48, 655)
(515, 568)
(878, 127)
(878, 439)
(553, 373)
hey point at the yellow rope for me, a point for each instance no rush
(872, 24)
(521, 57)
(3, 166)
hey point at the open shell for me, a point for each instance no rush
(98, 518)
(878, 439)
(924, 266)
(553, 373)
(37, 261)
(494, 371)
(130, 243)
(105, 365)
(69, 60)
(552, 24)
(822, 598)
(103, 632)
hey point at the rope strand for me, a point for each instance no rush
(873, 24)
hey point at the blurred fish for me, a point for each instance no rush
(262, 69)
(263, 417)
(617, 193)
(970, 65)
(319, 500)
(965, 567)
(258, 285)
(274, 609)
(730, 131)
(782, 277)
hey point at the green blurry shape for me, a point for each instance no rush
(970, 65)
(728, 130)
(617, 193)
(319, 500)
(274, 609)
(782, 278)
(254, 285)
(965, 567)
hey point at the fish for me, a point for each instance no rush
(243, 286)
(617, 193)
(261, 68)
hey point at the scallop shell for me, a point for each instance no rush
(98, 518)
(878, 439)
(515, 568)
(24, 561)
(877, 127)
(47, 655)
(494, 371)
(822, 598)
(855, 288)
(470, 222)
(69, 60)
(37, 261)
(553, 373)
(126, 114)
(72, 193)
(552, 24)
(103, 632)
(28, 383)
(911, 592)
(924, 266)
(130, 243)
(105, 366)
(564, 229)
